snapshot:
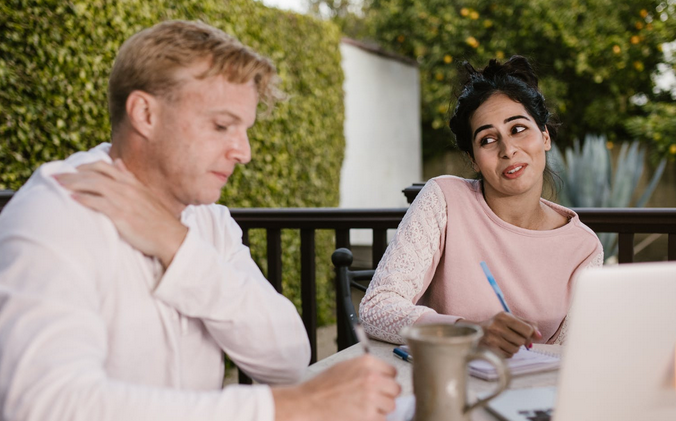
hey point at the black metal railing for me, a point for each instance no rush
(627, 222)
(308, 221)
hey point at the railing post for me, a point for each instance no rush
(379, 246)
(274, 241)
(243, 378)
(625, 253)
(245, 236)
(343, 238)
(308, 287)
(342, 338)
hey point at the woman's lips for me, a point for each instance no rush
(514, 171)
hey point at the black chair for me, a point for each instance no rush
(346, 280)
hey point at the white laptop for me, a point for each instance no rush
(618, 361)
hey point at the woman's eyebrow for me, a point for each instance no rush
(516, 117)
(484, 127)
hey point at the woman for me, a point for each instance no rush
(431, 270)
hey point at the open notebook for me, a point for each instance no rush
(523, 362)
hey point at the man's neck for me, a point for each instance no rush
(129, 152)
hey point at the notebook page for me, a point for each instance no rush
(523, 362)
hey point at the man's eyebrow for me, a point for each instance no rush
(224, 112)
(488, 126)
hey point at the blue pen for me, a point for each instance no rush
(402, 354)
(496, 288)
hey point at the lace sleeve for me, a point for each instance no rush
(389, 305)
(596, 262)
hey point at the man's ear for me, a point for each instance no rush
(547, 139)
(142, 109)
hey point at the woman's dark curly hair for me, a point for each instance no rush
(516, 79)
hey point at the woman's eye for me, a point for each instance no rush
(221, 128)
(487, 141)
(518, 129)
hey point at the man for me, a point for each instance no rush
(121, 282)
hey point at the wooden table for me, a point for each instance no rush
(383, 351)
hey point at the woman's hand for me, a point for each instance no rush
(505, 333)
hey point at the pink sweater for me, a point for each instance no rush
(432, 264)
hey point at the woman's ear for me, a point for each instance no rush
(475, 167)
(547, 138)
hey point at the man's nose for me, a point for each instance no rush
(240, 151)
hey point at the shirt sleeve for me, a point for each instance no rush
(407, 268)
(54, 343)
(257, 327)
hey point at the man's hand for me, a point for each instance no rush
(505, 333)
(363, 388)
(138, 215)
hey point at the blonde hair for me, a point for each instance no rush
(149, 60)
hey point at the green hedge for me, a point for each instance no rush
(55, 58)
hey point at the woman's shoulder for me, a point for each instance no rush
(574, 221)
(454, 185)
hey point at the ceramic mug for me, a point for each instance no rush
(440, 354)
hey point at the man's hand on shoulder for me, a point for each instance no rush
(138, 215)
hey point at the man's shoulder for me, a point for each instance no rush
(45, 211)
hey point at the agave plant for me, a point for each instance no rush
(589, 180)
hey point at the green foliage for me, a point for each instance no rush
(592, 56)
(55, 59)
(589, 180)
(657, 127)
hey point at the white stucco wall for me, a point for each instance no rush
(383, 152)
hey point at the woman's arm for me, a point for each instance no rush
(407, 268)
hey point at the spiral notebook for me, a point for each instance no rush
(523, 362)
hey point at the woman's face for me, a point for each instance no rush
(509, 148)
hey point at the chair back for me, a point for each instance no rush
(346, 281)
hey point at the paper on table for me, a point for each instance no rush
(405, 409)
(523, 362)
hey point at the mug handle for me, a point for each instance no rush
(503, 375)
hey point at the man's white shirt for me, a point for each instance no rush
(92, 329)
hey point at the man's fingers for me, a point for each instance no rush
(117, 171)
(101, 167)
(380, 366)
(94, 201)
(91, 183)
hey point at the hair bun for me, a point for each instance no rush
(517, 67)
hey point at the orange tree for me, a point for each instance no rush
(592, 56)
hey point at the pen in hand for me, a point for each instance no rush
(498, 292)
(496, 288)
(361, 336)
